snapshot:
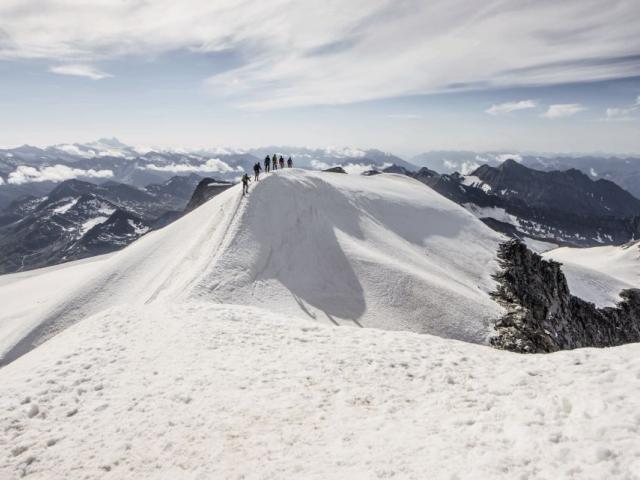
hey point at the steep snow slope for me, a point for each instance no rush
(381, 251)
(216, 391)
(599, 274)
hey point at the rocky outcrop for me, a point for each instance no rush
(205, 191)
(543, 316)
(335, 170)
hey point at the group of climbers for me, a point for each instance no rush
(270, 163)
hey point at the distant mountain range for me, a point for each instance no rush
(79, 219)
(625, 170)
(71, 201)
(560, 207)
(29, 170)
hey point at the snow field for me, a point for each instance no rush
(382, 251)
(198, 390)
(599, 274)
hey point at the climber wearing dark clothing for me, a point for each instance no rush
(289, 162)
(281, 162)
(267, 164)
(256, 170)
(274, 162)
(245, 184)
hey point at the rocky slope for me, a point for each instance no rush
(542, 314)
(66, 229)
(569, 191)
(79, 219)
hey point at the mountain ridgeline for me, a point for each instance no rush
(372, 250)
(569, 191)
(559, 207)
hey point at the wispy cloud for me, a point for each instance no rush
(623, 114)
(302, 52)
(563, 110)
(79, 70)
(508, 107)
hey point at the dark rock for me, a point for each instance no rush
(568, 191)
(335, 170)
(205, 191)
(543, 316)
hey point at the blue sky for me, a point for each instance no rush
(402, 75)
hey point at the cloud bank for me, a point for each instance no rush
(351, 168)
(211, 165)
(303, 52)
(55, 173)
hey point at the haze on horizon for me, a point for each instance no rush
(402, 76)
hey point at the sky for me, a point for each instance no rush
(404, 76)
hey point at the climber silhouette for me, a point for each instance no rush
(256, 170)
(245, 184)
(267, 164)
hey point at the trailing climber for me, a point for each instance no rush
(245, 184)
(289, 162)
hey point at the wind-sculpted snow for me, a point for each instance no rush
(382, 251)
(599, 274)
(198, 391)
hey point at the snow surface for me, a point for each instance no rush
(64, 208)
(382, 251)
(138, 230)
(193, 353)
(598, 274)
(473, 181)
(197, 391)
(538, 246)
(92, 222)
(496, 213)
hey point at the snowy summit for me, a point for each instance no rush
(229, 345)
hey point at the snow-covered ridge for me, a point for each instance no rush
(381, 251)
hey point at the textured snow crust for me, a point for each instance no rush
(196, 391)
(599, 274)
